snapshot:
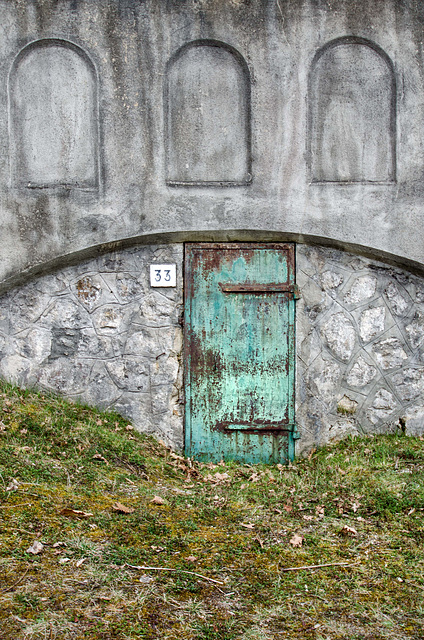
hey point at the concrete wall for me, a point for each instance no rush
(118, 125)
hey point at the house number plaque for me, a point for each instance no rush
(163, 275)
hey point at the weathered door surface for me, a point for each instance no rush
(239, 351)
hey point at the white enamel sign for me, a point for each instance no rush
(163, 275)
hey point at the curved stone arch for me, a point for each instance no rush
(207, 122)
(54, 117)
(352, 113)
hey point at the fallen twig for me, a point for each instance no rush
(318, 566)
(15, 584)
(138, 567)
(20, 504)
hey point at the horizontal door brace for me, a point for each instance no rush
(271, 287)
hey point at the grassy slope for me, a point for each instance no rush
(231, 523)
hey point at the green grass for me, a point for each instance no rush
(360, 502)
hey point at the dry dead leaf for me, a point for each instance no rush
(58, 544)
(219, 478)
(129, 427)
(175, 456)
(411, 511)
(319, 510)
(348, 531)
(121, 508)
(191, 558)
(35, 548)
(13, 486)
(211, 465)
(308, 518)
(74, 513)
(64, 560)
(23, 431)
(146, 579)
(249, 525)
(80, 561)
(98, 456)
(157, 500)
(287, 507)
(296, 540)
(355, 507)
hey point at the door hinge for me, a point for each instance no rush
(294, 431)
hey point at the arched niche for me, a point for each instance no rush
(352, 113)
(53, 112)
(207, 113)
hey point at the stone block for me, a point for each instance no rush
(415, 330)
(331, 280)
(110, 320)
(324, 379)
(372, 323)
(362, 289)
(130, 374)
(340, 335)
(361, 373)
(164, 370)
(100, 391)
(34, 344)
(64, 342)
(409, 384)
(151, 342)
(65, 375)
(383, 406)
(66, 314)
(398, 304)
(155, 310)
(389, 353)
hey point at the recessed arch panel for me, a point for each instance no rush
(53, 112)
(207, 112)
(352, 109)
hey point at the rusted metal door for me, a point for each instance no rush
(239, 351)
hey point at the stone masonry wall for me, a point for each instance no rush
(360, 347)
(98, 333)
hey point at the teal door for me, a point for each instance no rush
(239, 352)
